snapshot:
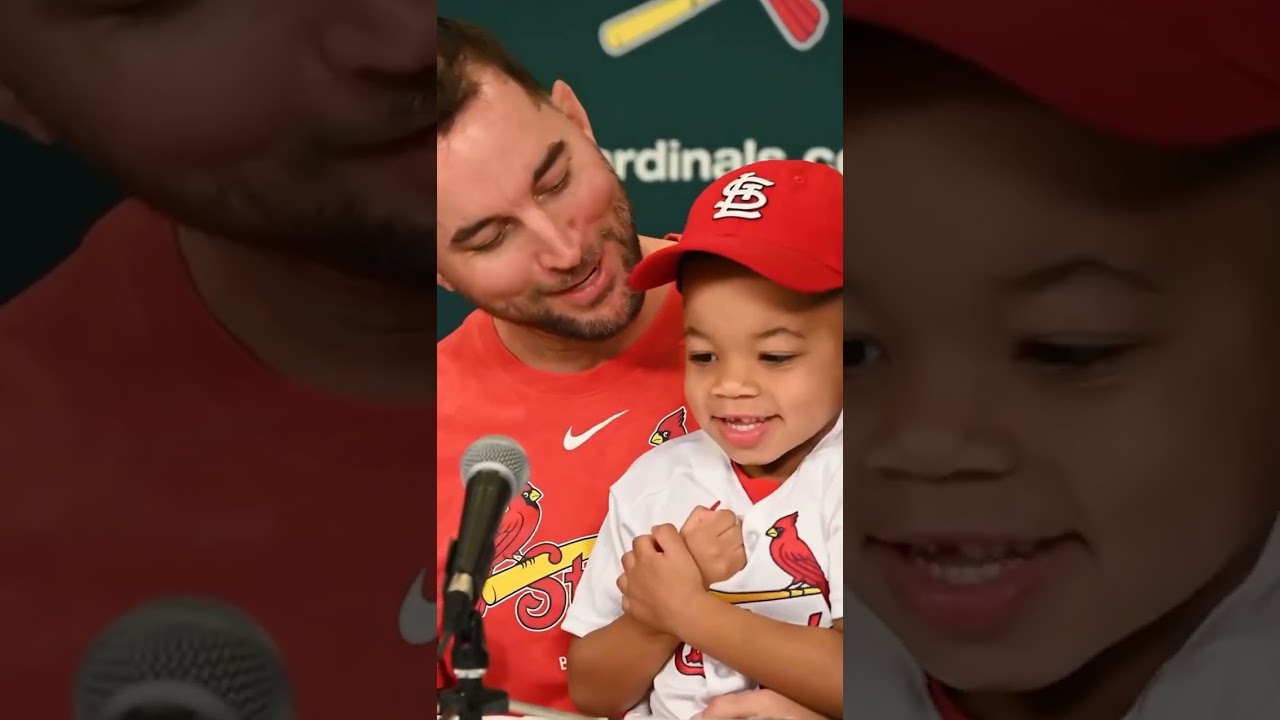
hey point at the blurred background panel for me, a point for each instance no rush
(48, 199)
(675, 107)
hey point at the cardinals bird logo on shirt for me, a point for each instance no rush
(794, 557)
(539, 575)
(518, 525)
(669, 427)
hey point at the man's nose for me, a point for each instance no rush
(379, 39)
(561, 245)
(938, 431)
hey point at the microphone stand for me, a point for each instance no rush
(469, 699)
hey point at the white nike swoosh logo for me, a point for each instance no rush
(573, 442)
(417, 616)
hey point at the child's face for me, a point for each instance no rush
(763, 375)
(1062, 398)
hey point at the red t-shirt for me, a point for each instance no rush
(942, 702)
(581, 431)
(144, 453)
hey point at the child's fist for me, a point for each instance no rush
(714, 539)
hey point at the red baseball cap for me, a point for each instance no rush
(783, 219)
(1171, 72)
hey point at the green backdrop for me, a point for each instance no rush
(721, 89)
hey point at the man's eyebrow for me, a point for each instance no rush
(1078, 268)
(467, 232)
(554, 151)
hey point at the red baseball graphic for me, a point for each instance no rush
(793, 555)
(518, 525)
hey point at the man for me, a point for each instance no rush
(535, 230)
(225, 392)
(1061, 369)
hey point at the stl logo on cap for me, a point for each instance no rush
(743, 197)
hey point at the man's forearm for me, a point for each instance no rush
(612, 669)
(805, 664)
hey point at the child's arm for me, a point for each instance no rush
(805, 664)
(613, 659)
(611, 670)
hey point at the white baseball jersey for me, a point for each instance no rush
(1225, 671)
(794, 540)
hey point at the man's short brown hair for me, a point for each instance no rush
(462, 47)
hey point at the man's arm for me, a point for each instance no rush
(805, 664)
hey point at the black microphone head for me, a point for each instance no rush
(183, 654)
(500, 454)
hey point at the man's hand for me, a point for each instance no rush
(660, 582)
(714, 538)
(757, 704)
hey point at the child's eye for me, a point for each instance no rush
(1070, 356)
(860, 353)
(776, 358)
(701, 358)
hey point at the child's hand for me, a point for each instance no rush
(714, 538)
(757, 704)
(660, 583)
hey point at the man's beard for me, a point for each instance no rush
(592, 329)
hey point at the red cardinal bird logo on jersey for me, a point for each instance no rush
(793, 555)
(518, 525)
(671, 426)
(689, 661)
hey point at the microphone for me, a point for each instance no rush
(494, 468)
(183, 658)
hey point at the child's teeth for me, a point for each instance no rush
(968, 573)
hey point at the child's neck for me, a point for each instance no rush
(786, 466)
(1109, 686)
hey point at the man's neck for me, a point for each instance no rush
(336, 334)
(554, 354)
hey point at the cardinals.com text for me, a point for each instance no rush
(669, 160)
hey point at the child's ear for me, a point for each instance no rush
(14, 112)
(563, 97)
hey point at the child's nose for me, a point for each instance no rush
(735, 383)
(936, 434)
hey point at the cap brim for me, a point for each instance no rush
(1120, 75)
(792, 270)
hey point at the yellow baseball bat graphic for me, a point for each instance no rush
(509, 581)
(743, 598)
(627, 31)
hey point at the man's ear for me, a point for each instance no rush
(14, 112)
(563, 97)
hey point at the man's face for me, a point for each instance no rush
(763, 368)
(1062, 395)
(294, 125)
(533, 226)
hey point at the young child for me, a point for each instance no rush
(748, 593)
(1063, 383)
